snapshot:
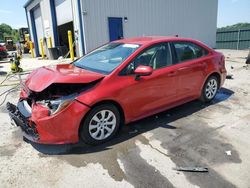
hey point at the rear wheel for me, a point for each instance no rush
(100, 125)
(210, 89)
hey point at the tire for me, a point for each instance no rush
(96, 129)
(210, 89)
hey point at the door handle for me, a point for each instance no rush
(172, 73)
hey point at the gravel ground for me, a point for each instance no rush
(145, 152)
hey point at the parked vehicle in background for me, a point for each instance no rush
(2, 43)
(118, 83)
(3, 52)
(24, 39)
(9, 44)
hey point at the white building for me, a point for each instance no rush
(95, 22)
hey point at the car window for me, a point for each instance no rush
(106, 58)
(187, 51)
(156, 57)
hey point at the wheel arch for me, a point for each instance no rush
(116, 104)
(217, 75)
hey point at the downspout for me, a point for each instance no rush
(81, 29)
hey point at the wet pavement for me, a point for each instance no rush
(144, 153)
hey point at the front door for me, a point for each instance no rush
(152, 93)
(115, 28)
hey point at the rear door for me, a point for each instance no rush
(191, 63)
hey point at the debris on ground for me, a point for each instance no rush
(247, 67)
(133, 132)
(229, 153)
(248, 58)
(60, 58)
(229, 76)
(191, 169)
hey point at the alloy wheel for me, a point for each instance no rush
(102, 124)
(211, 88)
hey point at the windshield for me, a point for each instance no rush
(106, 58)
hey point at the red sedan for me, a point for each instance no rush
(118, 83)
(3, 52)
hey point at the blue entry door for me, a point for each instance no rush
(115, 28)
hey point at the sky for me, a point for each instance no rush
(233, 11)
(229, 12)
(13, 13)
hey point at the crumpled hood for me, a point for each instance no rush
(43, 77)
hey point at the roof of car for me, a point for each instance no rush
(150, 39)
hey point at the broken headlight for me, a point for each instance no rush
(59, 104)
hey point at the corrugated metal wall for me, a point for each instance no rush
(47, 29)
(188, 18)
(46, 25)
(237, 39)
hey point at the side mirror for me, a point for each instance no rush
(143, 71)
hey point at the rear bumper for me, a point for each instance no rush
(223, 77)
(40, 127)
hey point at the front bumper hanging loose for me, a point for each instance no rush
(23, 122)
(38, 126)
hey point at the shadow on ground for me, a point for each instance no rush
(3, 73)
(134, 129)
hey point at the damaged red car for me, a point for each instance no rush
(118, 83)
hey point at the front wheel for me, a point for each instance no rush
(100, 124)
(210, 89)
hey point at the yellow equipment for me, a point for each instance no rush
(15, 63)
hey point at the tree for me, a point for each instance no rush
(235, 27)
(15, 35)
(7, 31)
